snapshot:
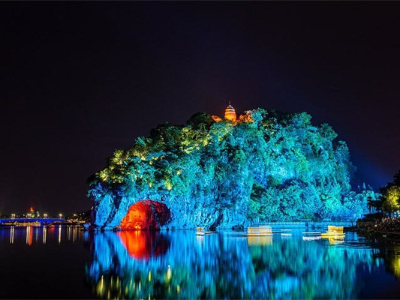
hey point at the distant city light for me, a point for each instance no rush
(44, 215)
(60, 215)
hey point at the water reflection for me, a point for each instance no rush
(391, 258)
(40, 234)
(123, 262)
(183, 265)
(12, 233)
(130, 265)
(143, 244)
(59, 234)
(396, 265)
(44, 235)
(29, 235)
(334, 240)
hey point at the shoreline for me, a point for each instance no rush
(385, 230)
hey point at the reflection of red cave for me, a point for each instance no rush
(143, 245)
(146, 214)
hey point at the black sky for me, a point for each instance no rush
(79, 80)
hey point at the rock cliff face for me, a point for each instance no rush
(263, 166)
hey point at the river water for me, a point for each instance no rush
(65, 262)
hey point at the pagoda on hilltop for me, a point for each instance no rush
(231, 116)
(230, 113)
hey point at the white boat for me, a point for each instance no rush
(200, 231)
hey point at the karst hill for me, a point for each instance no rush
(224, 172)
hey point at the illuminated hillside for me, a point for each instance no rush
(214, 172)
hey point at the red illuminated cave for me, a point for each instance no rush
(146, 215)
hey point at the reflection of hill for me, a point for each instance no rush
(143, 244)
(220, 266)
(391, 256)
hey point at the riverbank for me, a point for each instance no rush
(385, 230)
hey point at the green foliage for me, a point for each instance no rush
(201, 121)
(392, 196)
(390, 200)
(279, 167)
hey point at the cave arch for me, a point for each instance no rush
(146, 215)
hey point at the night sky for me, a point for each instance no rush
(79, 80)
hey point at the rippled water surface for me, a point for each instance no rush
(65, 262)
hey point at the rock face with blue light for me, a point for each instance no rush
(219, 173)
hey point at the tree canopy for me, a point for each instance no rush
(390, 200)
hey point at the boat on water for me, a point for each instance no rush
(259, 230)
(335, 232)
(201, 231)
(286, 232)
(311, 238)
(204, 232)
